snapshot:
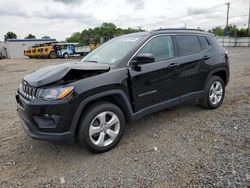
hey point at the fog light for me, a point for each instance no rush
(46, 121)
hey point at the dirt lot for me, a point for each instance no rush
(195, 147)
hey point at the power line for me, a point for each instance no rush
(234, 9)
(179, 17)
(174, 18)
(212, 21)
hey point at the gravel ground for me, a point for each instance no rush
(185, 147)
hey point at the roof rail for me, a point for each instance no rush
(187, 29)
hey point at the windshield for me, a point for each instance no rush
(114, 50)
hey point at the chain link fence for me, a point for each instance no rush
(234, 41)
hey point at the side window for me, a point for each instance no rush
(204, 42)
(161, 47)
(188, 44)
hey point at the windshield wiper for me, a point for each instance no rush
(91, 61)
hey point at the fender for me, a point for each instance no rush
(224, 68)
(97, 96)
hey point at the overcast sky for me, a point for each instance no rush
(60, 18)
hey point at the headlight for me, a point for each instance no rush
(55, 93)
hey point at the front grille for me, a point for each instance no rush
(28, 91)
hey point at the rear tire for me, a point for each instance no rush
(214, 93)
(52, 55)
(101, 127)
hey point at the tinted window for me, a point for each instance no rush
(188, 45)
(113, 51)
(204, 42)
(161, 47)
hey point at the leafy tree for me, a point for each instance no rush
(30, 36)
(242, 33)
(92, 35)
(75, 37)
(218, 31)
(10, 35)
(232, 29)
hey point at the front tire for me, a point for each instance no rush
(101, 127)
(215, 92)
(65, 55)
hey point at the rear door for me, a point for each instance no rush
(190, 58)
(158, 81)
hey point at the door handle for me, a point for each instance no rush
(173, 65)
(206, 57)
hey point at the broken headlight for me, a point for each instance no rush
(56, 93)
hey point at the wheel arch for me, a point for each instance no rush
(222, 73)
(117, 97)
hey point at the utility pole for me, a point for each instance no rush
(248, 28)
(228, 6)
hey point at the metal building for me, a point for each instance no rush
(16, 47)
(3, 52)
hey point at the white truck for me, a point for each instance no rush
(82, 50)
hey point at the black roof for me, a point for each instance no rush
(168, 31)
(178, 29)
(181, 30)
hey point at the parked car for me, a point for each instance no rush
(121, 81)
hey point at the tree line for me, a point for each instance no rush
(12, 35)
(93, 35)
(233, 31)
(110, 30)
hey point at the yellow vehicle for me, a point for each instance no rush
(93, 46)
(27, 52)
(42, 51)
(53, 50)
(33, 53)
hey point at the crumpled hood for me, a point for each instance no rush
(53, 73)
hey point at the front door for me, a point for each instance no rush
(158, 81)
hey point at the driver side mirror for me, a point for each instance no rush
(143, 58)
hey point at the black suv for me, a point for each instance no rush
(123, 80)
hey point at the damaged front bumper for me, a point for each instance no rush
(43, 121)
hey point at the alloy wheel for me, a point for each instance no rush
(216, 93)
(104, 129)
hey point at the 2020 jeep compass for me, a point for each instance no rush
(122, 80)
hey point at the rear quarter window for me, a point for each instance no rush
(188, 44)
(213, 42)
(204, 42)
